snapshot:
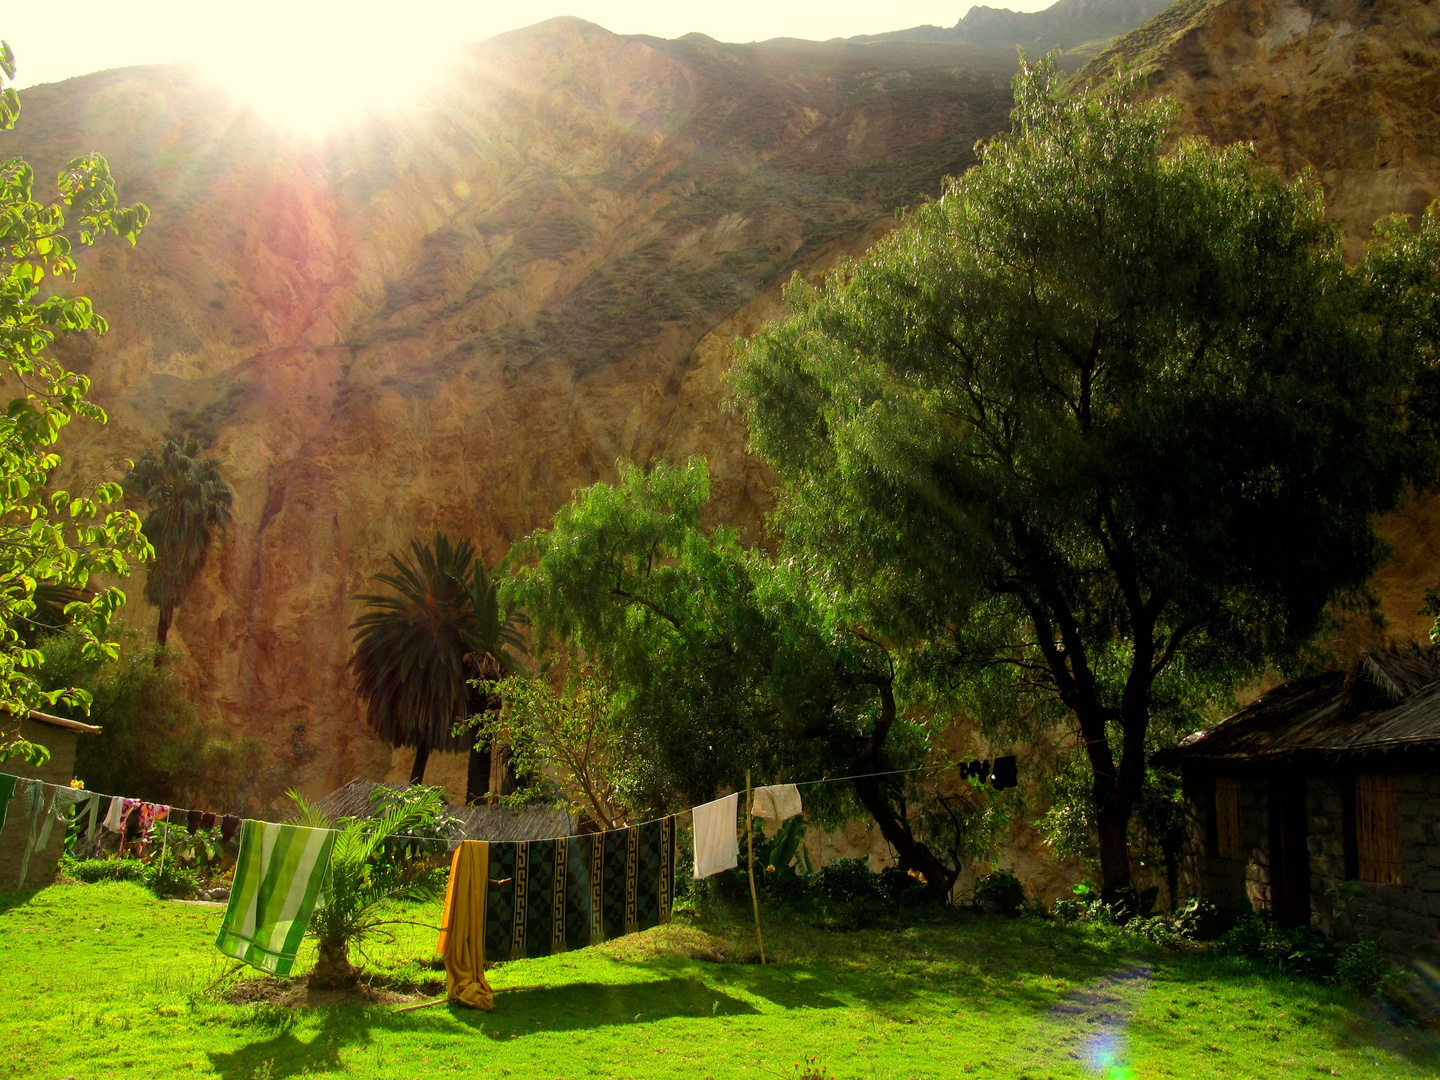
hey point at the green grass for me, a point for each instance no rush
(106, 981)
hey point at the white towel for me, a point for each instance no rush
(115, 819)
(777, 802)
(716, 847)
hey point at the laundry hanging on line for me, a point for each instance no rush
(7, 791)
(550, 896)
(462, 926)
(1002, 774)
(279, 875)
(778, 802)
(716, 846)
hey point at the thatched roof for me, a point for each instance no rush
(1389, 701)
(478, 822)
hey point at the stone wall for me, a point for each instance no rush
(1235, 886)
(1405, 915)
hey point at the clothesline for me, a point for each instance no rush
(169, 819)
(798, 783)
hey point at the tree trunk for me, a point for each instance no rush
(939, 878)
(502, 771)
(1113, 824)
(333, 970)
(477, 773)
(162, 629)
(417, 770)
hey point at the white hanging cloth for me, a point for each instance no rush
(776, 803)
(716, 847)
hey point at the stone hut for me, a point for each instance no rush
(1320, 802)
(59, 736)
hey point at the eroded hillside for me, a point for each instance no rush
(453, 321)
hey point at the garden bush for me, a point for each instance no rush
(1304, 951)
(171, 879)
(999, 893)
(91, 871)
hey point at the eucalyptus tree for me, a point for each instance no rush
(189, 505)
(1099, 431)
(51, 541)
(418, 647)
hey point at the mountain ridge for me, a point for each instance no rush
(1073, 25)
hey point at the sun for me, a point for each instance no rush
(327, 75)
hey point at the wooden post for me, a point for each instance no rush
(750, 858)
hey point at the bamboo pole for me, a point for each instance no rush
(750, 858)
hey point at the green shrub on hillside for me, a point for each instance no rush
(154, 743)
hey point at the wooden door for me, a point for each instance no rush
(1289, 850)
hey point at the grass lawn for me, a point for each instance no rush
(105, 981)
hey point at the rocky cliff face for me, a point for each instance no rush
(1349, 89)
(453, 321)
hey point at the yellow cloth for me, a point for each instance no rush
(462, 927)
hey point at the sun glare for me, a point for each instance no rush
(314, 79)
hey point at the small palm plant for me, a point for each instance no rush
(399, 854)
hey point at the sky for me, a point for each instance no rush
(314, 63)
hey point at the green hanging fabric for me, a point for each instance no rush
(278, 878)
(7, 789)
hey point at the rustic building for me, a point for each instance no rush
(57, 735)
(1320, 802)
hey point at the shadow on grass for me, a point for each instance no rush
(9, 901)
(583, 1005)
(571, 1007)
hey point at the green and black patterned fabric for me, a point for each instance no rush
(549, 896)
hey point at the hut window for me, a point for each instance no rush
(1377, 828)
(1228, 844)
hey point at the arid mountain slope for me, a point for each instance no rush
(1347, 88)
(452, 321)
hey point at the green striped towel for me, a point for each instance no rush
(278, 878)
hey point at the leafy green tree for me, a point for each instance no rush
(1108, 424)
(49, 538)
(721, 658)
(189, 504)
(572, 734)
(418, 647)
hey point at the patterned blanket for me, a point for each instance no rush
(549, 896)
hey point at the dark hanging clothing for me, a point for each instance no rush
(192, 821)
(1006, 773)
(207, 821)
(228, 824)
(550, 896)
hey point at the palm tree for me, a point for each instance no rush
(397, 852)
(189, 504)
(417, 649)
